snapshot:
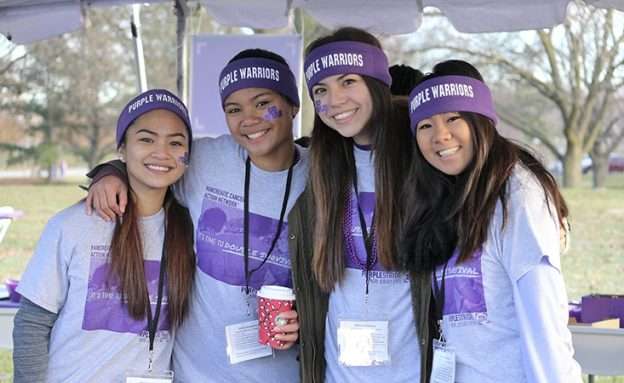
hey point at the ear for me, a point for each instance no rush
(121, 152)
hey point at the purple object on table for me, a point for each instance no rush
(11, 285)
(574, 310)
(597, 307)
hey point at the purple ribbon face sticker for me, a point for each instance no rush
(184, 159)
(272, 114)
(320, 107)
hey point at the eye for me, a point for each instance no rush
(453, 118)
(232, 110)
(318, 91)
(422, 126)
(147, 140)
(176, 143)
(262, 103)
(349, 81)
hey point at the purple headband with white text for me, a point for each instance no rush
(146, 102)
(450, 94)
(345, 57)
(258, 72)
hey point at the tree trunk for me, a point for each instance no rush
(600, 170)
(572, 165)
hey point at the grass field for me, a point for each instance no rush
(594, 263)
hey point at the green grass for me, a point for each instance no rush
(593, 264)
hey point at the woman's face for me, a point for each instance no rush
(260, 120)
(155, 150)
(445, 140)
(344, 103)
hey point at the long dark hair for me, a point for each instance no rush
(127, 265)
(331, 157)
(445, 212)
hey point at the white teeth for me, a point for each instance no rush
(343, 115)
(448, 152)
(158, 168)
(257, 134)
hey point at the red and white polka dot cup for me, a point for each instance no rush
(272, 300)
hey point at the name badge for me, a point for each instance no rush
(150, 377)
(443, 366)
(363, 343)
(242, 342)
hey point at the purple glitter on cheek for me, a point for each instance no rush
(272, 114)
(184, 159)
(319, 107)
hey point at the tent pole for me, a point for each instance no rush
(138, 47)
(181, 9)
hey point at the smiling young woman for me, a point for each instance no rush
(87, 312)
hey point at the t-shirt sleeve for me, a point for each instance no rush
(531, 230)
(45, 281)
(540, 300)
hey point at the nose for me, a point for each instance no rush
(336, 96)
(441, 132)
(251, 117)
(162, 150)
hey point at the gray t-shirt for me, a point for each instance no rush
(213, 188)
(389, 298)
(94, 339)
(481, 321)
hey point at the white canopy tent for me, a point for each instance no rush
(26, 21)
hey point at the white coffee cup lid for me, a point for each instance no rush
(276, 292)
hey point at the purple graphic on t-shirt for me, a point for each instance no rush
(463, 289)
(103, 306)
(220, 243)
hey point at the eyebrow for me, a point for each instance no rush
(339, 78)
(156, 134)
(253, 98)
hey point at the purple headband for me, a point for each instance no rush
(148, 101)
(257, 72)
(345, 57)
(450, 94)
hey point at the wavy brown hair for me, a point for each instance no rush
(331, 158)
(127, 263)
(448, 212)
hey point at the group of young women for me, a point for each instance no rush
(421, 245)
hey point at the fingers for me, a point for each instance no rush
(123, 198)
(101, 207)
(288, 333)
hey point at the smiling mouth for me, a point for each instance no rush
(256, 135)
(344, 115)
(158, 168)
(448, 152)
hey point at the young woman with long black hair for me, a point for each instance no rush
(482, 233)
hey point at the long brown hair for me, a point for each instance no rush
(331, 157)
(127, 260)
(448, 212)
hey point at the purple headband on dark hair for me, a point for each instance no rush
(450, 94)
(344, 57)
(258, 72)
(146, 102)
